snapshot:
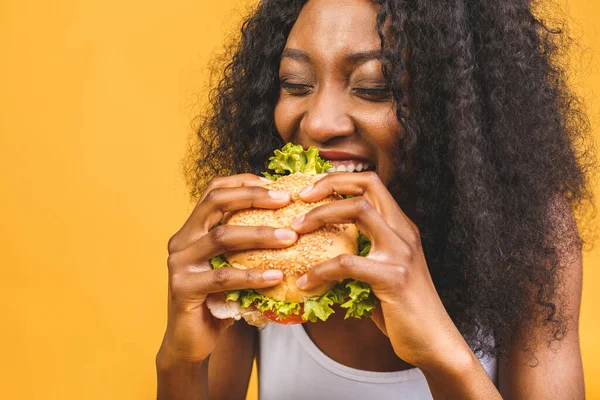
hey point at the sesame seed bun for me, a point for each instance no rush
(312, 248)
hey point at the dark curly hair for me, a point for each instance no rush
(495, 147)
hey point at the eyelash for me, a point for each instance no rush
(383, 93)
(296, 89)
(375, 94)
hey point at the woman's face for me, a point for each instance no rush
(333, 94)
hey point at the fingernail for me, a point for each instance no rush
(272, 275)
(279, 195)
(301, 282)
(285, 234)
(297, 222)
(307, 189)
(267, 180)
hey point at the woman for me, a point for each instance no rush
(476, 259)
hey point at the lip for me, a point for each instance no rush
(341, 155)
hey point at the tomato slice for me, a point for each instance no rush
(291, 320)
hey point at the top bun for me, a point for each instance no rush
(322, 244)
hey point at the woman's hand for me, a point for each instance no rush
(192, 331)
(412, 314)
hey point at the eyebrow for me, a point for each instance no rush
(354, 58)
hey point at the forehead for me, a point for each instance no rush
(336, 27)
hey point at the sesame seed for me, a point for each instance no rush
(309, 249)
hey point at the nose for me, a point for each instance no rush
(327, 117)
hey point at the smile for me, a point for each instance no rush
(349, 166)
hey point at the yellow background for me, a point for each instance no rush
(97, 99)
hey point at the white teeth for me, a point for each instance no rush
(349, 168)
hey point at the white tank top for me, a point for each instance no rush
(291, 367)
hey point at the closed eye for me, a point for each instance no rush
(374, 94)
(296, 89)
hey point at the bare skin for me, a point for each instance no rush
(333, 97)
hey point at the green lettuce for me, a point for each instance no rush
(364, 245)
(283, 309)
(356, 297)
(361, 300)
(232, 295)
(321, 307)
(249, 297)
(293, 158)
(219, 262)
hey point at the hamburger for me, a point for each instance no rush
(294, 168)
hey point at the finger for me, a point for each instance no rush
(227, 238)
(187, 233)
(216, 203)
(240, 180)
(229, 278)
(355, 183)
(377, 274)
(357, 210)
(368, 185)
(221, 200)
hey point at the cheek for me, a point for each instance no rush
(394, 128)
(384, 133)
(385, 129)
(287, 119)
